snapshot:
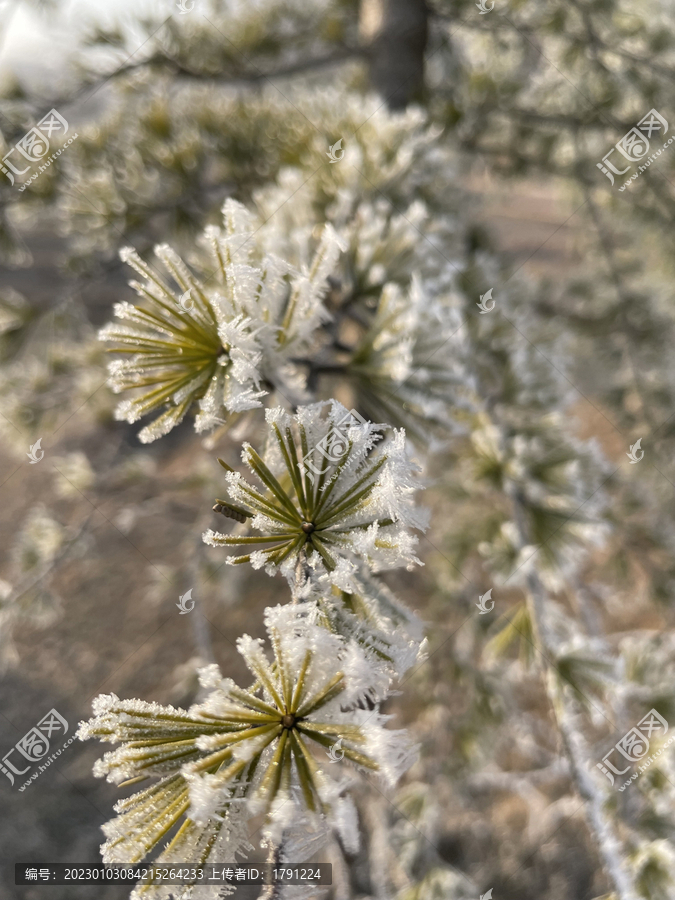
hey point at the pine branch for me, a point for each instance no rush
(173, 67)
(612, 851)
(273, 891)
(33, 580)
(599, 821)
(200, 627)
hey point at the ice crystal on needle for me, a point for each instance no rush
(219, 343)
(266, 745)
(404, 368)
(376, 620)
(333, 491)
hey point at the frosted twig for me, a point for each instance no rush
(273, 891)
(599, 822)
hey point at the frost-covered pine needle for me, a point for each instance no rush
(405, 368)
(332, 491)
(245, 752)
(219, 343)
(373, 617)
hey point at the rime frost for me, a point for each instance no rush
(242, 752)
(213, 343)
(337, 491)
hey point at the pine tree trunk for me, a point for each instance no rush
(394, 34)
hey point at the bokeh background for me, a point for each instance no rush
(475, 136)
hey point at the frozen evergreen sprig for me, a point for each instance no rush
(266, 745)
(401, 367)
(175, 355)
(333, 492)
(219, 343)
(373, 617)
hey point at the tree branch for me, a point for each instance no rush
(273, 891)
(566, 712)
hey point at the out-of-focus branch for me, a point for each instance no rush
(176, 69)
(194, 550)
(34, 579)
(567, 712)
(273, 891)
